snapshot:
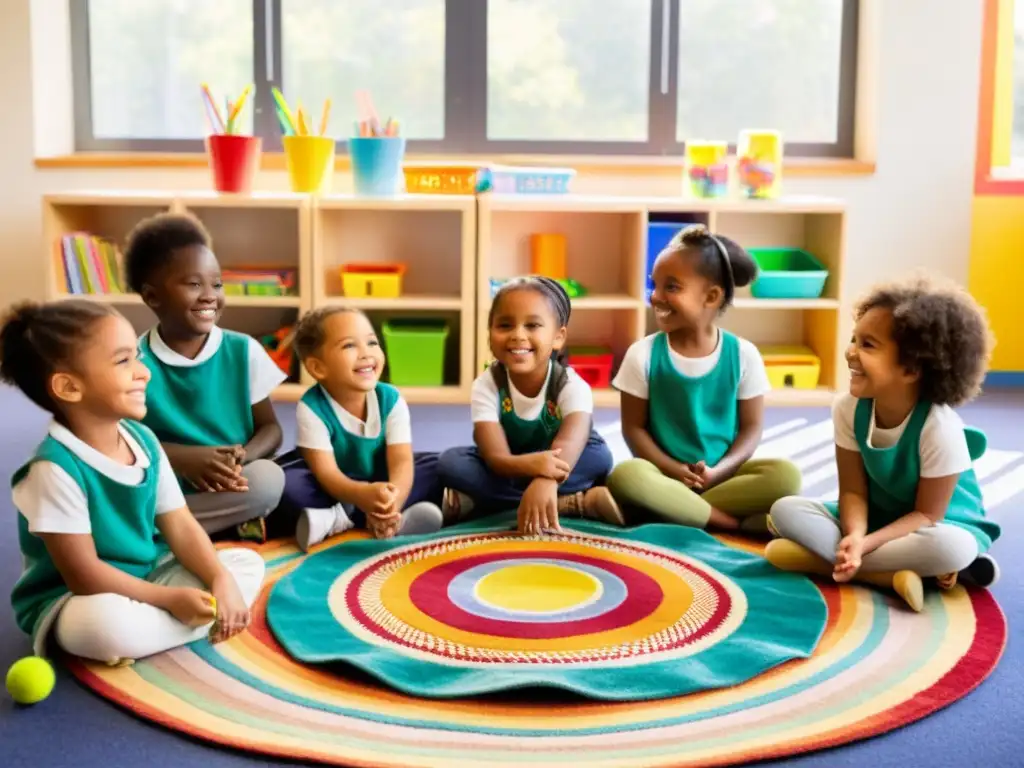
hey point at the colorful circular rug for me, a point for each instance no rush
(660, 610)
(876, 667)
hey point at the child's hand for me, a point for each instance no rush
(192, 607)
(232, 613)
(549, 464)
(848, 557)
(377, 499)
(212, 469)
(686, 475)
(538, 509)
(709, 476)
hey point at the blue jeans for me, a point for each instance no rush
(463, 469)
(302, 491)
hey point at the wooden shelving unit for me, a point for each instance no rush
(607, 254)
(453, 245)
(435, 237)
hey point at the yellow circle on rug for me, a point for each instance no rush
(537, 587)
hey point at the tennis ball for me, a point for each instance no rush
(30, 680)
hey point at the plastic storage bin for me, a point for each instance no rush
(506, 179)
(787, 273)
(659, 234)
(440, 179)
(415, 350)
(791, 367)
(593, 365)
(379, 281)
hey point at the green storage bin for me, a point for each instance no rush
(415, 350)
(787, 273)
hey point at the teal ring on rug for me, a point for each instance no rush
(767, 617)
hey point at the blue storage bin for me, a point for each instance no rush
(787, 273)
(659, 234)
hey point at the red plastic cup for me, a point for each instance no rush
(233, 160)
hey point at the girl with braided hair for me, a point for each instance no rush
(535, 447)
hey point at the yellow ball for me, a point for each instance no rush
(30, 680)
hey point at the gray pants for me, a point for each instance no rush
(930, 551)
(220, 511)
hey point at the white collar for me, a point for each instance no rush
(102, 464)
(540, 395)
(168, 356)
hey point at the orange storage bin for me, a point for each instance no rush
(440, 179)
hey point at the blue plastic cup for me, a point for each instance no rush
(377, 164)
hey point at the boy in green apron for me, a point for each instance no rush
(96, 493)
(909, 501)
(535, 447)
(209, 396)
(693, 398)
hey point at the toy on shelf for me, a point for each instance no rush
(379, 281)
(574, 288)
(759, 164)
(233, 157)
(787, 273)
(279, 346)
(260, 281)
(88, 264)
(548, 255)
(707, 168)
(415, 349)
(791, 367)
(376, 152)
(507, 179)
(593, 365)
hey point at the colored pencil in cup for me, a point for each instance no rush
(211, 107)
(325, 117)
(285, 110)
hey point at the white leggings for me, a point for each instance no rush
(931, 551)
(110, 627)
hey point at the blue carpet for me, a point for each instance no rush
(75, 728)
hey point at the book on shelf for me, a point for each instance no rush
(88, 264)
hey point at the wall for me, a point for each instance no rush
(914, 212)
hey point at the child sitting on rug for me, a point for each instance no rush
(909, 502)
(209, 397)
(693, 398)
(95, 493)
(532, 421)
(354, 465)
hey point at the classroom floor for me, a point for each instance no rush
(75, 728)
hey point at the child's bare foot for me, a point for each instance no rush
(722, 521)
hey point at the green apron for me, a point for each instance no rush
(694, 419)
(893, 474)
(524, 435)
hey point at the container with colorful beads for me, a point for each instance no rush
(759, 164)
(707, 168)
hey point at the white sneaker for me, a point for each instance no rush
(315, 525)
(422, 517)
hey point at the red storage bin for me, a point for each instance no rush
(593, 365)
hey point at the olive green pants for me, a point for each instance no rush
(747, 495)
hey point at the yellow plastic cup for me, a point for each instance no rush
(310, 161)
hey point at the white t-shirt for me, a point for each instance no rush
(574, 397)
(264, 374)
(943, 446)
(634, 373)
(313, 433)
(52, 502)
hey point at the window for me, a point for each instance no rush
(1017, 137)
(627, 77)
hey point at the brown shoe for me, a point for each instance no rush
(595, 504)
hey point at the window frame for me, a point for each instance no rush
(465, 89)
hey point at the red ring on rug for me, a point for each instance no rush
(643, 598)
